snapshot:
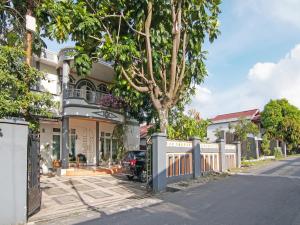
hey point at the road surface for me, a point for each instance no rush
(268, 196)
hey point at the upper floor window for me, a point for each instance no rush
(86, 85)
(103, 88)
(86, 89)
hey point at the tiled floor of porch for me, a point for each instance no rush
(104, 194)
(93, 171)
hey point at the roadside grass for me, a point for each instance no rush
(247, 166)
(205, 178)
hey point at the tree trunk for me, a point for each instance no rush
(163, 120)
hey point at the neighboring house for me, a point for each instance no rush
(84, 121)
(144, 135)
(222, 122)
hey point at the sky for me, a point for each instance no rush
(256, 58)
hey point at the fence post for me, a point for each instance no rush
(256, 147)
(222, 155)
(238, 154)
(159, 173)
(196, 152)
(284, 149)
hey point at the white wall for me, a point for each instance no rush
(213, 127)
(13, 172)
(132, 137)
(46, 141)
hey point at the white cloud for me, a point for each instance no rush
(264, 81)
(261, 71)
(286, 11)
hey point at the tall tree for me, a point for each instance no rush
(281, 121)
(156, 45)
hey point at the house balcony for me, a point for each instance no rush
(94, 104)
(91, 97)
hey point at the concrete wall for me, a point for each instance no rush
(13, 172)
(174, 160)
(132, 137)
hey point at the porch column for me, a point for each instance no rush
(65, 120)
(97, 143)
(65, 143)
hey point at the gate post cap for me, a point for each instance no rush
(194, 138)
(159, 135)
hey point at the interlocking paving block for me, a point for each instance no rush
(66, 199)
(83, 187)
(72, 182)
(105, 184)
(97, 194)
(109, 178)
(45, 185)
(93, 179)
(121, 191)
(55, 191)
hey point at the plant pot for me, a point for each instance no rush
(56, 164)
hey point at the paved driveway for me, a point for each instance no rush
(64, 196)
(270, 196)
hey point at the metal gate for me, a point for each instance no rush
(34, 193)
(149, 164)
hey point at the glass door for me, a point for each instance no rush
(72, 153)
(56, 144)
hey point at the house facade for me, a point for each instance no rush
(222, 123)
(86, 114)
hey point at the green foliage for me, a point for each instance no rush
(12, 26)
(243, 128)
(265, 145)
(16, 78)
(277, 152)
(118, 133)
(281, 121)
(218, 133)
(185, 126)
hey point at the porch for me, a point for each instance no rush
(90, 144)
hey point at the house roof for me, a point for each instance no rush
(144, 130)
(252, 114)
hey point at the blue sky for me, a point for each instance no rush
(255, 58)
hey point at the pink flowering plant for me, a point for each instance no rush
(111, 101)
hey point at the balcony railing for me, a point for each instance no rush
(92, 97)
(96, 98)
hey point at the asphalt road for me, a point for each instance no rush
(270, 196)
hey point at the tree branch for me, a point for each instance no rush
(138, 88)
(176, 41)
(181, 76)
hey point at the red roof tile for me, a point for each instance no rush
(253, 113)
(144, 130)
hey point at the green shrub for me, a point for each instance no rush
(277, 152)
(265, 145)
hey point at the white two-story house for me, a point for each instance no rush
(84, 120)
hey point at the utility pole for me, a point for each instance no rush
(30, 28)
